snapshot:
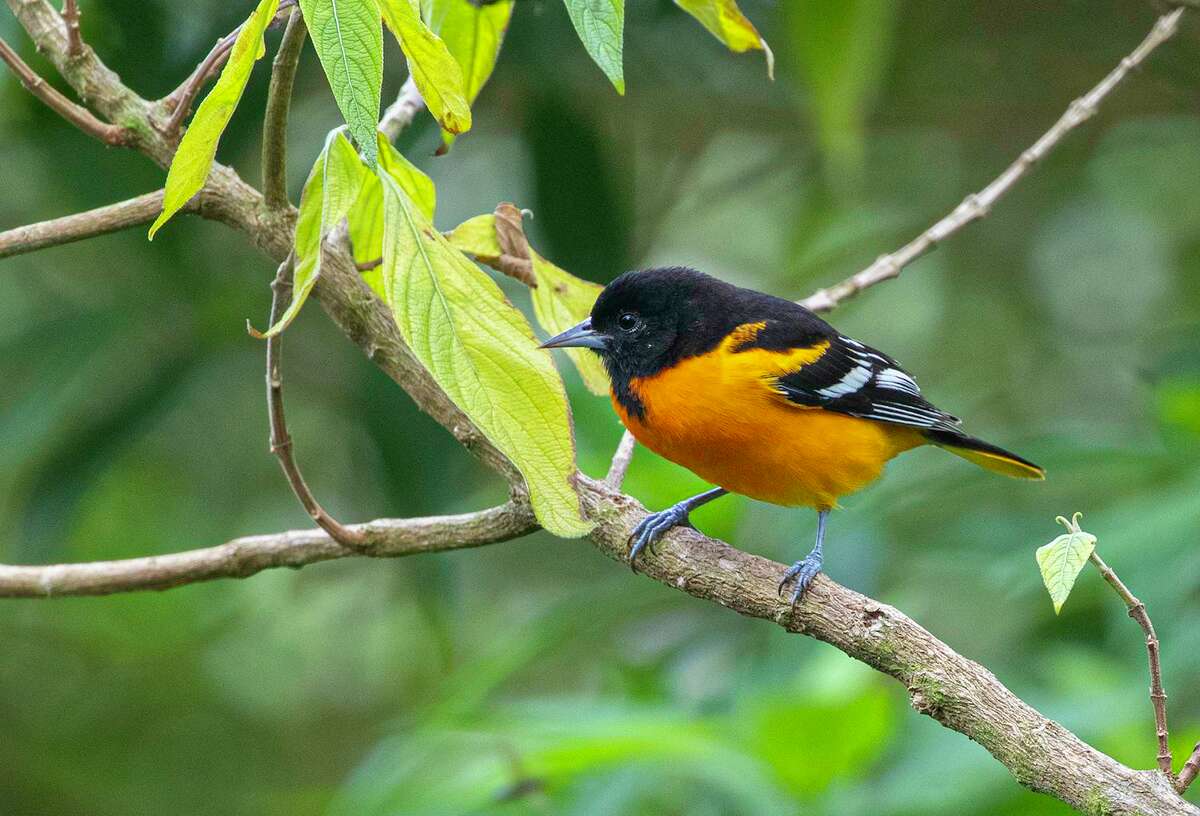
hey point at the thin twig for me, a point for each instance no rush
(246, 556)
(100, 221)
(400, 113)
(70, 15)
(620, 461)
(367, 266)
(281, 441)
(77, 115)
(1190, 770)
(181, 99)
(1158, 697)
(279, 100)
(978, 205)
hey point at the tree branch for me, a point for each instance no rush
(622, 458)
(279, 101)
(70, 15)
(1158, 697)
(80, 117)
(100, 221)
(977, 205)
(957, 692)
(400, 113)
(1190, 770)
(243, 557)
(281, 440)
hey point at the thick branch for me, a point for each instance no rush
(279, 101)
(77, 115)
(246, 556)
(100, 221)
(977, 205)
(1158, 697)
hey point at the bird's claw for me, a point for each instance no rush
(803, 571)
(653, 527)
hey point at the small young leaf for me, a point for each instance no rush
(1061, 560)
(333, 186)
(194, 157)
(560, 300)
(473, 33)
(601, 26)
(348, 37)
(482, 353)
(725, 21)
(435, 71)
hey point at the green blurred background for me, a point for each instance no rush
(537, 676)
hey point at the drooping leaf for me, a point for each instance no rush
(473, 33)
(435, 71)
(725, 21)
(348, 37)
(560, 300)
(482, 353)
(1061, 560)
(193, 160)
(333, 186)
(601, 26)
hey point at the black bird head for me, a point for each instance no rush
(645, 321)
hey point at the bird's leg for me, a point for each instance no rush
(806, 568)
(655, 526)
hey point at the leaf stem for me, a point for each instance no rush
(355, 538)
(279, 100)
(1158, 697)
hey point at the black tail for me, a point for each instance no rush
(985, 454)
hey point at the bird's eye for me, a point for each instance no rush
(628, 321)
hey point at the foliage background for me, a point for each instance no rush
(536, 676)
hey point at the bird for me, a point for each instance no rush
(759, 396)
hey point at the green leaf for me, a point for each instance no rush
(560, 300)
(333, 186)
(418, 186)
(725, 21)
(473, 34)
(1061, 560)
(349, 41)
(435, 71)
(193, 160)
(482, 353)
(477, 236)
(601, 26)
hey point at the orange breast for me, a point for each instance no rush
(717, 415)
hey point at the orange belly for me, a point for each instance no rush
(717, 415)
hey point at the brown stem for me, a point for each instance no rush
(281, 441)
(367, 266)
(1158, 697)
(181, 100)
(620, 461)
(1190, 770)
(977, 205)
(77, 115)
(100, 221)
(70, 15)
(279, 100)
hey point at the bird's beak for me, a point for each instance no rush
(580, 336)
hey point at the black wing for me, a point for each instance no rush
(854, 379)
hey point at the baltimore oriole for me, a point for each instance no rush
(759, 396)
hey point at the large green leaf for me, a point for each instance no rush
(194, 158)
(725, 21)
(473, 34)
(482, 353)
(601, 27)
(1061, 560)
(333, 186)
(435, 71)
(348, 37)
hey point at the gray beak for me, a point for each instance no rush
(581, 336)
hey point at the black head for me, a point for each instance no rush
(644, 322)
